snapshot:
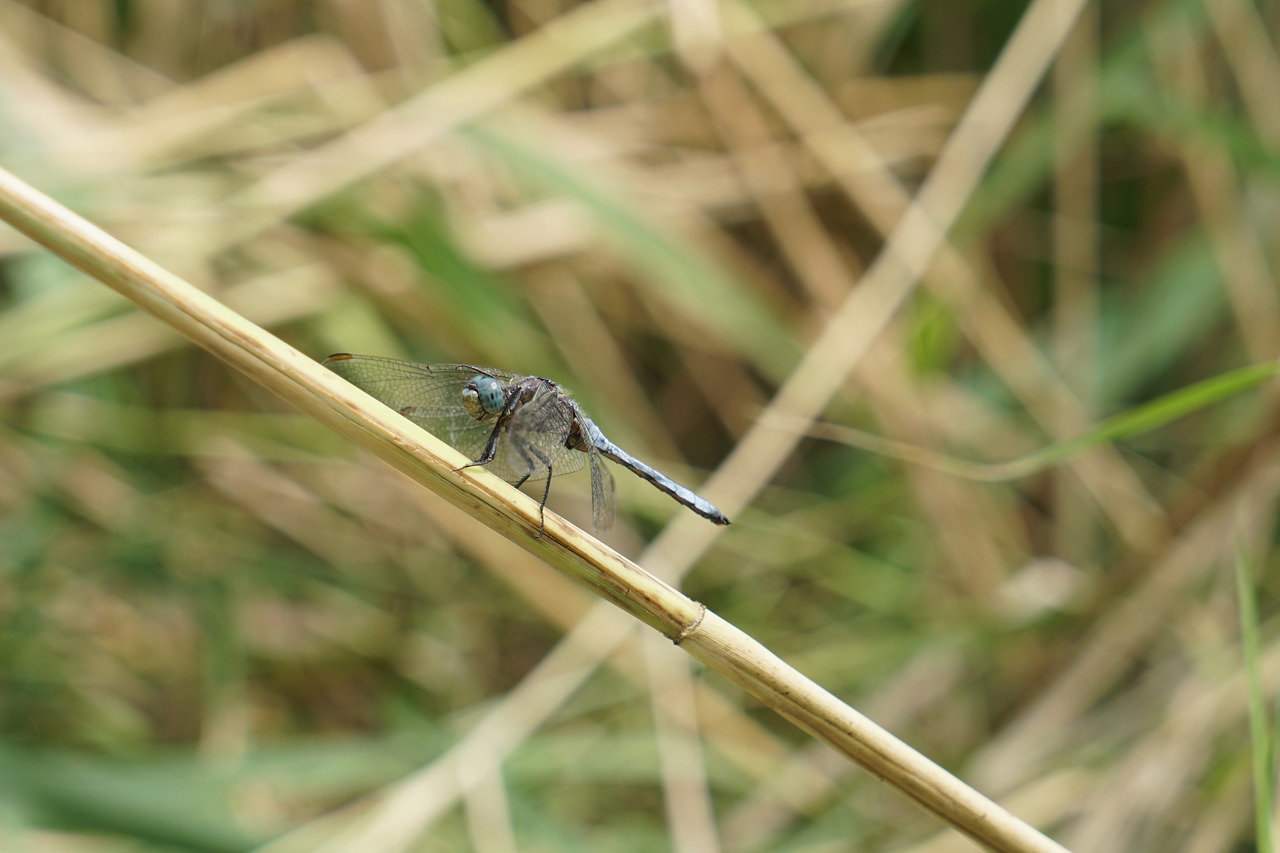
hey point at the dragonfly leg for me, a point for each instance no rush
(490, 448)
(546, 491)
(530, 454)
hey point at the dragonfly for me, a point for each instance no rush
(517, 427)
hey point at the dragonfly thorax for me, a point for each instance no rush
(482, 397)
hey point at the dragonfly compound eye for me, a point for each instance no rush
(482, 396)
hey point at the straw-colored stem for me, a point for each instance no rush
(303, 382)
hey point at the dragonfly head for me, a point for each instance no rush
(482, 396)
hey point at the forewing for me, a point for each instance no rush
(430, 395)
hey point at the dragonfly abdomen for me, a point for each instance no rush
(660, 481)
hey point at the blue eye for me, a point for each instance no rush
(483, 395)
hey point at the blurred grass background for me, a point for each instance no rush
(218, 624)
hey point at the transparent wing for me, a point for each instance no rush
(430, 395)
(602, 491)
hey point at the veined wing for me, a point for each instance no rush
(430, 395)
(602, 492)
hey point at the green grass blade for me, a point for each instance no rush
(1136, 421)
(1262, 744)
